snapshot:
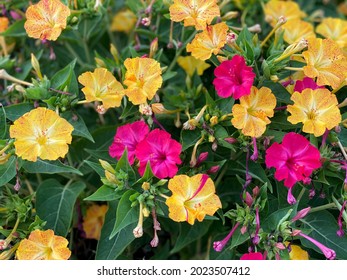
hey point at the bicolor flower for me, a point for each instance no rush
(253, 112)
(161, 151)
(196, 13)
(43, 245)
(102, 86)
(208, 42)
(46, 19)
(294, 159)
(316, 109)
(326, 62)
(192, 198)
(128, 136)
(142, 78)
(94, 220)
(233, 78)
(41, 133)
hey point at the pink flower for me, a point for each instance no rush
(233, 78)
(128, 136)
(219, 245)
(306, 83)
(252, 256)
(328, 253)
(294, 159)
(161, 151)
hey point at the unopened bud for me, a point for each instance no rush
(105, 165)
(243, 230)
(145, 186)
(231, 38)
(153, 48)
(274, 78)
(255, 191)
(138, 231)
(4, 158)
(114, 53)
(213, 169)
(35, 64)
(248, 199)
(146, 21)
(280, 246)
(230, 15)
(301, 214)
(231, 140)
(214, 120)
(255, 28)
(99, 62)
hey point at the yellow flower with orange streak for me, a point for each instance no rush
(43, 245)
(196, 13)
(316, 109)
(41, 133)
(297, 29)
(326, 62)
(102, 86)
(142, 78)
(209, 41)
(191, 65)
(123, 21)
(335, 29)
(94, 220)
(253, 113)
(192, 198)
(46, 19)
(274, 9)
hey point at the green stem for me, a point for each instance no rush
(221, 175)
(339, 206)
(179, 51)
(74, 54)
(323, 207)
(301, 193)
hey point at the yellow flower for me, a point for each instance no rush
(297, 29)
(43, 245)
(196, 13)
(143, 79)
(192, 198)
(46, 19)
(191, 65)
(209, 41)
(101, 85)
(325, 61)
(4, 22)
(274, 9)
(335, 29)
(94, 220)
(41, 133)
(297, 253)
(253, 112)
(316, 109)
(123, 21)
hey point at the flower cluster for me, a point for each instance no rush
(194, 126)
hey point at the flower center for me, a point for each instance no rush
(311, 115)
(41, 140)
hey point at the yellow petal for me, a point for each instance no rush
(209, 41)
(123, 21)
(191, 65)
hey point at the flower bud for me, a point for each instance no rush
(138, 231)
(301, 214)
(230, 15)
(35, 64)
(145, 186)
(213, 169)
(105, 165)
(146, 21)
(153, 48)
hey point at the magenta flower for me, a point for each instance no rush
(328, 253)
(233, 78)
(128, 136)
(295, 159)
(161, 151)
(306, 83)
(218, 246)
(257, 256)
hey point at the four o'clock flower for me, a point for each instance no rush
(252, 256)
(192, 198)
(128, 136)
(219, 245)
(162, 152)
(295, 159)
(233, 78)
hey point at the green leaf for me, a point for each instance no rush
(13, 112)
(125, 214)
(124, 165)
(169, 75)
(147, 175)
(104, 193)
(97, 167)
(80, 128)
(55, 204)
(3, 123)
(49, 167)
(7, 171)
(15, 30)
(110, 249)
(323, 228)
(63, 77)
(189, 138)
(190, 233)
(280, 91)
(271, 222)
